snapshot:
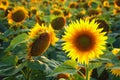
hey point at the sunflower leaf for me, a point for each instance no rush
(16, 41)
(66, 67)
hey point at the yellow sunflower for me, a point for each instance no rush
(84, 40)
(41, 37)
(114, 71)
(117, 3)
(106, 4)
(18, 15)
(115, 51)
(4, 4)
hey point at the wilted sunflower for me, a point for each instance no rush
(84, 41)
(18, 15)
(41, 37)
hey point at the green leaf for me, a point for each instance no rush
(10, 70)
(94, 5)
(17, 40)
(66, 67)
(111, 40)
(100, 70)
(94, 65)
(78, 77)
(36, 65)
(9, 60)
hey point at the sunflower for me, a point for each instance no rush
(115, 51)
(106, 4)
(73, 5)
(58, 23)
(41, 37)
(116, 11)
(117, 3)
(114, 71)
(18, 15)
(84, 40)
(4, 4)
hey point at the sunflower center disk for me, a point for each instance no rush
(18, 16)
(85, 42)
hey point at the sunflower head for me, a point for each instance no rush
(56, 12)
(41, 37)
(106, 4)
(73, 5)
(92, 12)
(116, 11)
(63, 76)
(4, 4)
(83, 40)
(67, 13)
(17, 15)
(33, 10)
(114, 71)
(58, 23)
(117, 3)
(103, 24)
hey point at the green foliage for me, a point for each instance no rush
(66, 67)
(17, 40)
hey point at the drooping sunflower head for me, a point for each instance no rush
(84, 40)
(17, 15)
(41, 37)
(4, 4)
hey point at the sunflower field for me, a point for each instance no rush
(59, 39)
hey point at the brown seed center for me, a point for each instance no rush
(18, 16)
(84, 42)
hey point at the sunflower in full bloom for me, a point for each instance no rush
(41, 37)
(18, 15)
(84, 40)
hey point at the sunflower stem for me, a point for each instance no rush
(87, 72)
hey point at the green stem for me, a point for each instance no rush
(23, 74)
(28, 74)
(87, 72)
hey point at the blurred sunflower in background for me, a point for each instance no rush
(58, 23)
(41, 37)
(17, 15)
(117, 3)
(4, 4)
(83, 41)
